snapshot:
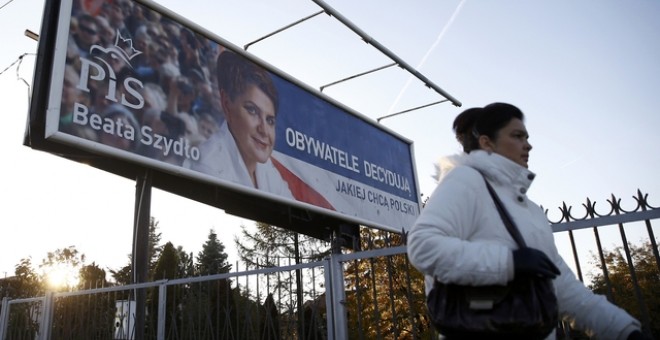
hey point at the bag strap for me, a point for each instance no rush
(506, 218)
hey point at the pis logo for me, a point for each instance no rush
(100, 70)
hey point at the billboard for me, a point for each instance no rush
(134, 83)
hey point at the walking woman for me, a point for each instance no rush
(459, 237)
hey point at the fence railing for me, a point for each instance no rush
(618, 275)
(372, 294)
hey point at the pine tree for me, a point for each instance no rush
(186, 264)
(211, 304)
(212, 259)
(271, 246)
(154, 243)
(167, 267)
(124, 275)
(167, 264)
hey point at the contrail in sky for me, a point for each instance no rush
(570, 163)
(428, 53)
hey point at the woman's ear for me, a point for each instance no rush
(486, 144)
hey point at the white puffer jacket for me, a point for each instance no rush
(460, 238)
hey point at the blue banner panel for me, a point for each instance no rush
(137, 82)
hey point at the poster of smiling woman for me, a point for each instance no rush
(133, 81)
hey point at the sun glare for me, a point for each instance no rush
(61, 276)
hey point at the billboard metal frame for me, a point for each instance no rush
(234, 199)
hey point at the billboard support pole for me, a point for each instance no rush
(408, 110)
(140, 258)
(355, 76)
(281, 29)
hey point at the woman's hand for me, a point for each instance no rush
(532, 261)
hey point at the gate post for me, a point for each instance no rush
(339, 326)
(162, 311)
(4, 318)
(329, 301)
(46, 316)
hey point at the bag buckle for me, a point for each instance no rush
(481, 304)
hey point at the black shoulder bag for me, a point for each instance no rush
(526, 308)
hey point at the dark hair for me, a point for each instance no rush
(236, 73)
(487, 120)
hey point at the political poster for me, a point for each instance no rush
(133, 81)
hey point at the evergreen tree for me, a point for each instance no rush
(167, 267)
(124, 275)
(212, 259)
(270, 317)
(186, 264)
(271, 246)
(210, 305)
(154, 243)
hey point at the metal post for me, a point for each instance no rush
(46, 316)
(645, 318)
(162, 311)
(411, 109)
(140, 256)
(281, 29)
(329, 301)
(575, 256)
(4, 318)
(340, 325)
(355, 76)
(299, 292)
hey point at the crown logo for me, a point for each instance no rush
(125, 47)
(122, 49)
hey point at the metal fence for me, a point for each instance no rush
(625, 262)
(371, 294)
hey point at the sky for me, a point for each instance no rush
(586, 74)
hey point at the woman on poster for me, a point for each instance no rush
(240, 151)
